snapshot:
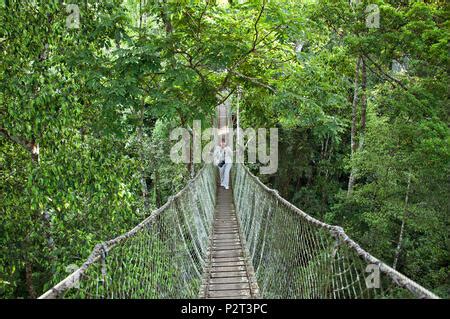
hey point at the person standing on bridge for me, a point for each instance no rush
(223, 160)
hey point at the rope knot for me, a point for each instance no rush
(103, 250)
(337, 233)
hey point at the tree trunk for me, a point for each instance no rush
(351, 180)
(144, 189)
(29, 280)
(166, 20)
(402, 227)
(140, 135)
(156, 195)
(363, 104)
(187, 144)
(140, 128)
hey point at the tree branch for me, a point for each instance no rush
(253, 80)
(22, 142)
(227, 96)
(391, 78)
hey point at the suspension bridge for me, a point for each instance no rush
(245, 242)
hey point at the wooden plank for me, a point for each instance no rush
(228, 226)
(224, 274)
(225, 236)
(226, 243)
(220, 238)
(227, 268)
(229, 293)
(216, 249)
(229, 286)
(228, 280)
(227, 240)
(228, 263)
(227, 232)
(219, 245)
(238, 297)
(218, 254)
(226, 246)
(226, 259)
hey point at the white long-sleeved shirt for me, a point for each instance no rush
(221, 154)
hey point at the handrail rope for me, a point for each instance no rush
(339, 233)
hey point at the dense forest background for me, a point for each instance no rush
(87, 105)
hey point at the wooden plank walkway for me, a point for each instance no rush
(228, 274)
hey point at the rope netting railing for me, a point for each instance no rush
(162, 257)
(297, 256)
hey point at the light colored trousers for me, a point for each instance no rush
(225, 175)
